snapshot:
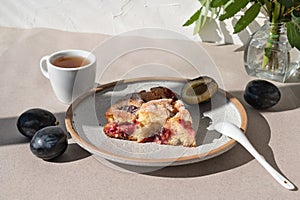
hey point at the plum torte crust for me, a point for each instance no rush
(154, 116)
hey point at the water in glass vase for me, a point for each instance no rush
(269, 55)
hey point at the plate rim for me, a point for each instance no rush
(153, 161)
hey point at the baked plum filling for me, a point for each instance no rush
(161, 137)
(119, 130)
(124, 130)
(187, 125)
(155, 116)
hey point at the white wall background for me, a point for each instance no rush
(116, 16)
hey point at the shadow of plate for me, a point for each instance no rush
(258, 133)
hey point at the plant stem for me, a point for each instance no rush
(270, 59)
(271, 42)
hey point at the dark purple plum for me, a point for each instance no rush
(261, 94)
(49, 142)
(33, 120)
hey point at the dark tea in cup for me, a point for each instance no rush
(70, 61)
(71, 72)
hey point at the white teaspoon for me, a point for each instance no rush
(235, 133)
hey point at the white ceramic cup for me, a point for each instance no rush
(69, 83)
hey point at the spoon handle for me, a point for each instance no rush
(235, 133)
(276, 175)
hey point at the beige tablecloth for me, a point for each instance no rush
(78, 175)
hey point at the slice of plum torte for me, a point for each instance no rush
(153, 116)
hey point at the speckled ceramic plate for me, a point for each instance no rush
(85, 120)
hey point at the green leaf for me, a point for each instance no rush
(203, 1)
(276, 12)
(296, 13)
(203, 19)
(218, 3)
(289, 3)
(246, 19)
(269, 7)
(233, 8)
(197, 25)
(286, 3)
(262, 2)
(293, 31)
(193, 18)
(198, 22)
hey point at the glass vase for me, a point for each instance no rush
(269, 55)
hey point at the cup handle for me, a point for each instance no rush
(43, 66)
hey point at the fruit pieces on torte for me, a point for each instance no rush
(151, 116)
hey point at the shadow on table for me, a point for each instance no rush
(74, 152)
(9, 135)
(258, 133)
(290, 99)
